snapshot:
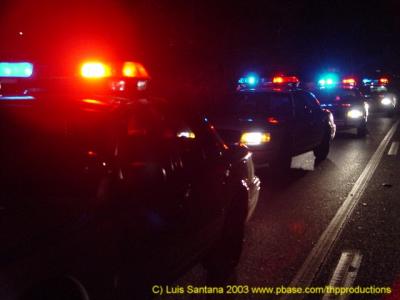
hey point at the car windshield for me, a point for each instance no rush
(274, 104)
(329, 96)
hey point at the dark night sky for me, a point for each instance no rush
(206, 36)
(290, 34)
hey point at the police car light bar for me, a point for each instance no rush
(383, 81)
(98, 69)
(16, 69)
(285, 79)
(349, 81)
(134, 69)
(95, 69)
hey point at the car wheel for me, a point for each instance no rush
(223, 257)
(322, 150)
(362, 130)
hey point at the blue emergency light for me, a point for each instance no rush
(250, 79)
(328, 80)
(16, 69)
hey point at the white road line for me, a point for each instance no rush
(318, 254)
(345, 273)
(394, 148)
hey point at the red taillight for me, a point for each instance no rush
(346, 104)
(272, 120)
(383, 80)
(95, 69)
(285, 79)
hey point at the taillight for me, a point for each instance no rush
(95, 70)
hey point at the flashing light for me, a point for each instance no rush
(16, 69)
(383, 81)
(349, 81)
(285, 79)
(134, 69)
(95, 70)
(272, 120)
(250, 79)
(355, 114)
(386, 101)
(328, 80)
(366, 81)
(255, 138)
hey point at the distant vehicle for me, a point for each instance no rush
(275, 120)
(106, 189)
(378, 95)
(347, 104)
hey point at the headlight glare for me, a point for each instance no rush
(255, 138)
(386, 101)
(355, 113)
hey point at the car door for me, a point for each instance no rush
(174, 184)
(308, 129)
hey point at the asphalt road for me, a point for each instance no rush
(295, 210)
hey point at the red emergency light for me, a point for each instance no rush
(383, 81)
(349, 81)
(99, 69)
(285, 79)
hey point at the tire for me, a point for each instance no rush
(322, 150)
(223, 257)
(362, 130)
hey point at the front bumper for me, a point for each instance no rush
(347, 123)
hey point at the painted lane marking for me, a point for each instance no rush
(318, 254)
(345, 273)
(394, 148)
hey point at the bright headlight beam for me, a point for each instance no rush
(255, 138)
(386, 101)
(355, 113)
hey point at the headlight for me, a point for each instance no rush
(355, 113)
(386, 101)
(255, 138)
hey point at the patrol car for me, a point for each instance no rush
(345, 101)
(107, 187)
(275, 120)
(379, 95)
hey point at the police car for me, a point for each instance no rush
(108, 188)
(275, 120)
(345, 101)
(379, 95)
